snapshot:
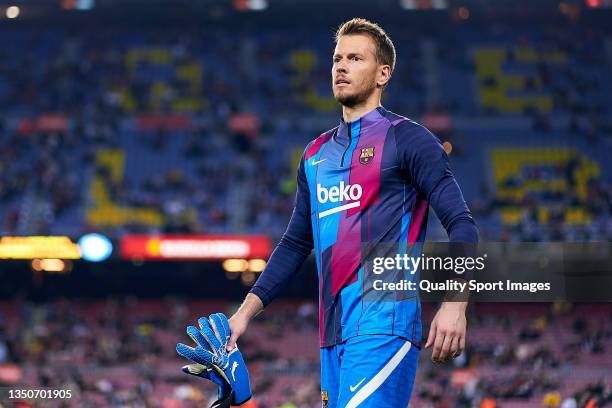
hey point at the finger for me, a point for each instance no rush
(194, 369)
(209, 335)
(444, 352)
(204, 356)
(454, 348)
(220, 326)
(462, 343)
(196, 336)
(188, 352)
(432, 334)
(225, 322)
(437, 346)
(197, 355)
(231, 343)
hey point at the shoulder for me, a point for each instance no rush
(315, 145)
(406, 128)
(414, 142)
(409, 133)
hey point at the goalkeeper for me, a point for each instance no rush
(369, 180)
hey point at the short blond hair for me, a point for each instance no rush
(385, 50)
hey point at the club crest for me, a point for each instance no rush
(366, 155)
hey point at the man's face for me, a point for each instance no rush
(354, 69)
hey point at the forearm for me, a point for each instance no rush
(449, 205)
(457, 298)
(281, 267)
(293, 248)
(250, 308)
(284, 263)
(456, 218)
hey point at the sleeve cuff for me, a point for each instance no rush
(261, 294)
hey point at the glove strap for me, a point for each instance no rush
(224, 402)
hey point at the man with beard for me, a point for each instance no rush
(371, 179)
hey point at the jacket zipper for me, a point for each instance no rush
(350, 141)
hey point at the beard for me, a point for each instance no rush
(351, 100)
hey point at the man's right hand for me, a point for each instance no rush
(239, 322)
(238, 325)
(213, 362)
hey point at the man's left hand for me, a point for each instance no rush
(447, 332)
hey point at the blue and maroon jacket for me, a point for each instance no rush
(369, 181)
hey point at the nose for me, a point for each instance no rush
(341, 67)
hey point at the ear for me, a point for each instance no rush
(384, 75)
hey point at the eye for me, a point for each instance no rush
(356, 58)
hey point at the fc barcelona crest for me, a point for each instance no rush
(366, 156)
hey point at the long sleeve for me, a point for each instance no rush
(293, 248)
(423, 158)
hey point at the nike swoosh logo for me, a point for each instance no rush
(354, 387)
(234, 366)
(314, 163)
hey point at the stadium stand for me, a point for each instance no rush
(186, 129)
(121, 352)
(185, 140)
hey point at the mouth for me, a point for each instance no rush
(342, 81)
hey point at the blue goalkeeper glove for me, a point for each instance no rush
(225, 393)
(211, 353)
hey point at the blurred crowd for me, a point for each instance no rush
(212, 176)
(546, 214)
(120, 352)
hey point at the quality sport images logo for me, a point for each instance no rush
(342, 193)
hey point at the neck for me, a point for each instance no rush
(351, 113)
